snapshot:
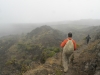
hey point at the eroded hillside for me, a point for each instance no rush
(18, 53)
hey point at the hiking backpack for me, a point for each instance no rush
(69, 47)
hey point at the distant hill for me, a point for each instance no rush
(46, 35)
(25, 28)
(18, 52)
(10, 29)
(77, 30)
(77, 27)
(93, 31)
(89, 22)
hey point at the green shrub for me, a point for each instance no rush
(46, 53)
(56, 50)
(52, 53)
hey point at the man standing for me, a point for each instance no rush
(68, 45)
(88, 38)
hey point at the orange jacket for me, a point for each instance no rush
(65, 41)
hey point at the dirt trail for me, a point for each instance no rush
(54, 64)
(77, 53)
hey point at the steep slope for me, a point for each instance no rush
(21, 53)
(5, 44)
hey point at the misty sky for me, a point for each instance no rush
(39, 11)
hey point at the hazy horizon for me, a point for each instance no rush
(43, 11)
(20, 16)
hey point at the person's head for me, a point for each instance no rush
(69, 34)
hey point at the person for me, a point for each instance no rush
(69, 46)
(88, 38)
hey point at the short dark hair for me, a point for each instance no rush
(69, 34)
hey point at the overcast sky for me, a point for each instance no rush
(40, 11)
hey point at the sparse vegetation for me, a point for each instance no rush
(49, 52)
(58, 71)
(18, 53)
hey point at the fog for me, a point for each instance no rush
(40, 11)
(25, 15)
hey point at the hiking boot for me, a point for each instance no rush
(65, 70)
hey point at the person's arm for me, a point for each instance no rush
(63, 43)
